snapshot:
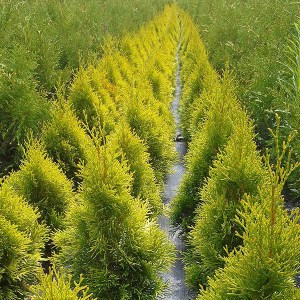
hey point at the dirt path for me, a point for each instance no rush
(175, 277)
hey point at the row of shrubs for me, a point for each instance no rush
(88, 191)
(41, 46)
(251, 37)
(260, 43)
(241, 241)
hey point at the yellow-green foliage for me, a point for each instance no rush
(118, 70)
(210, 137)
(17, 263)
(57, 286)
(155, 132)
(236, 32)
(66, 141)
(43, 184)
(108, 236)
(253, 239)
(133, 82)
(22, 214)
(266, 264)
(208, 112)
(42, 45)
(22, 106)
(21, 242)
(197, 75)
(134, 152)
(237, 171)
(92, 104)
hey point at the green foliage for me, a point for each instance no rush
(42, 43)
(21, 241)
(23, 215)
(250, 36)
(22, 107)
(16, 262)
(134, 152)
(93, 106)
(266, 264)
(57, 286)
(237, 171)
(109, 238)
(43, 184)
(207, 141)
(287, 103)
(162, 87)
(66, 141)
(156, 133)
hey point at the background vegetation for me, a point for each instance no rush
(85, 191)
(42, 43)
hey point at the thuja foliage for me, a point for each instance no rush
(22, 107)
(91, 99)
(109, 237)
(120, 87)
(42, 183)
(287, 104)
(237, 171)
(134, 152)
(21, 242)
(57, 286)
(65, 141)
(196, 73)
(211, 136)
(236, 32)
(150, 127)
(208, 110)
(42, 44)
(266, 264)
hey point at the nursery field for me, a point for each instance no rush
(149, 150)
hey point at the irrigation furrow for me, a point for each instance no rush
(175, 278)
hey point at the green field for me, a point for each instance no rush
(89, 124)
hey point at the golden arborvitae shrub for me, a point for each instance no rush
(22, 240)
(237, 171)
(57, 286)
(109, 238)
(66, 142)
(134, 152)
(43, 184)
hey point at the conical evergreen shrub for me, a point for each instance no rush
(17, 263)
(156, 134)
(198, 81)
(134, 151)
(237, 171)
(210, 138)
(21, 242)
(66, 141)
(22, 106)
(57, 286)
(43, 184)
(94, 108)
(109, 238)
(117, 69)
(266, 264)
(20, 213)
